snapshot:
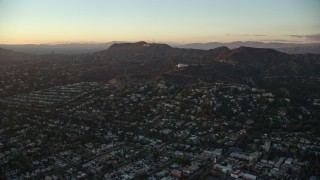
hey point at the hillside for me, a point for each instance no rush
(153, 61)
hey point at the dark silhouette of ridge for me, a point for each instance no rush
(142, 59)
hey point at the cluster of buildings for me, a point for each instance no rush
(35, 74)
(155, 130)
(50, 98)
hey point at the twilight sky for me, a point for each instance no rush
(180, 21)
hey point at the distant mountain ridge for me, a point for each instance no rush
(152, 60)
(149, 59)
(124, 63)
(71, 48)
(84, 48)
(290, 48)
(270, 62)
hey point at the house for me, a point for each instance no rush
(316, 102)
(176, 173)
(182, 66)
(249, 176)
(289, 161)
(279, 162)
(236, 173)
(224, 169)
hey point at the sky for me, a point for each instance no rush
(174, 21)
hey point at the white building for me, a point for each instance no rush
(182, 65)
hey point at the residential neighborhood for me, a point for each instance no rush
(156, 130)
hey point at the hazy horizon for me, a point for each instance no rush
(176, 21)
(157, 42)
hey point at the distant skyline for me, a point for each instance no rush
(175, 21)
